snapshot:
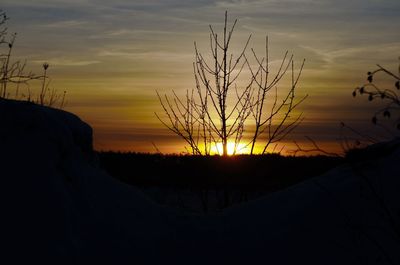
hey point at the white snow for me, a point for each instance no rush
(59, 207)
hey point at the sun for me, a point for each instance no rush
(240, 149)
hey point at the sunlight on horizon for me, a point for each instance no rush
(233, 149)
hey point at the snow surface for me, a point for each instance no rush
(58, 207)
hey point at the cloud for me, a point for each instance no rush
(66, 24)
(67, 62)
(353, 53)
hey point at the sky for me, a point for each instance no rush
(112, 56)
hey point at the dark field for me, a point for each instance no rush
(223, 180)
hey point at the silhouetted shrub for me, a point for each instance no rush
(390, 95)
(15, 78)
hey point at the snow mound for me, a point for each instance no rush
(59, 207)
(350, 215)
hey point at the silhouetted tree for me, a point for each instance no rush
(217, 109)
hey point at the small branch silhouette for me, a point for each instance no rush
(389, 95)
(314, 149)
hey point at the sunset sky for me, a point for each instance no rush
(112, 57)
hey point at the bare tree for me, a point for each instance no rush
(217, 110)
(208, 117)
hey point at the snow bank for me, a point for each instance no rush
(351, 215)
(59, 207)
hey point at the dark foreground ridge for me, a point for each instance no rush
(59, 207)
(211, 183)
(244, 172)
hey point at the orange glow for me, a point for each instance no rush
(241, 148)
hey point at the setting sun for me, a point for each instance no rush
(232, 149)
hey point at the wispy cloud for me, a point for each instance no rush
(348, 54)
(136, 54)
(67, 62)
(66, 24)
